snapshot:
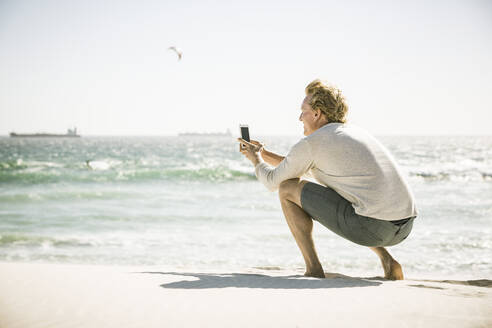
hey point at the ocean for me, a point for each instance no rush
(193, 203)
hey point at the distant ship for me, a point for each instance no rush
(71, 133)
(210, 134)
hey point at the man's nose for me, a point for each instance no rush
(300, 117)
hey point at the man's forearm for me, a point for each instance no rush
(271, 158)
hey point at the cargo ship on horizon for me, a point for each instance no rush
(71, 133)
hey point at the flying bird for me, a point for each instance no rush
(178, 51)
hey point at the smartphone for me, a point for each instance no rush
(244, 129)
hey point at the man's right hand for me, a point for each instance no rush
(260, 146)
(250, 150)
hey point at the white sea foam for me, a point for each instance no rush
(98, 165)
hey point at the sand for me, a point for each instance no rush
(56, 295)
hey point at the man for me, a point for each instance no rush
(360, 193)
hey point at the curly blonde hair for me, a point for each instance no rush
(328, 99)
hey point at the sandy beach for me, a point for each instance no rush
(56, 295)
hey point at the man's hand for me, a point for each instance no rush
(251, 150)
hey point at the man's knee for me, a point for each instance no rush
(288, 189)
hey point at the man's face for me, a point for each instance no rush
(307, 117)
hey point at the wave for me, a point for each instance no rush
(471, 175)
(16, 240)
(114, 170)
(18, 172)
(12, 165)
(28, 175)
(19, 196)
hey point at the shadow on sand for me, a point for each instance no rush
(478, 283)
(245, 280)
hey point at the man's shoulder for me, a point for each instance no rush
(330, 130)
(349, 131)
(339, 135)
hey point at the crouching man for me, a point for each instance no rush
(360, 194)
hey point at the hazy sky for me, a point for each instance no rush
(406, 67)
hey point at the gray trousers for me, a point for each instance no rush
(333, 211)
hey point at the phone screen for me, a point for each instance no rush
(245, 132)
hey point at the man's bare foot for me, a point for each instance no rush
(392, 270)
(315, 273)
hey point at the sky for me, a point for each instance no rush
(405, 67)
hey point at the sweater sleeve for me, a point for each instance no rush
(297, 162)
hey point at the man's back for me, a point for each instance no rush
(358, 167)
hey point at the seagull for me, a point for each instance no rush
(178, 51)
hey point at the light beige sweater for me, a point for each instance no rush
(354, 164)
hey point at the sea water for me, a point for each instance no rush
(193, 203)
